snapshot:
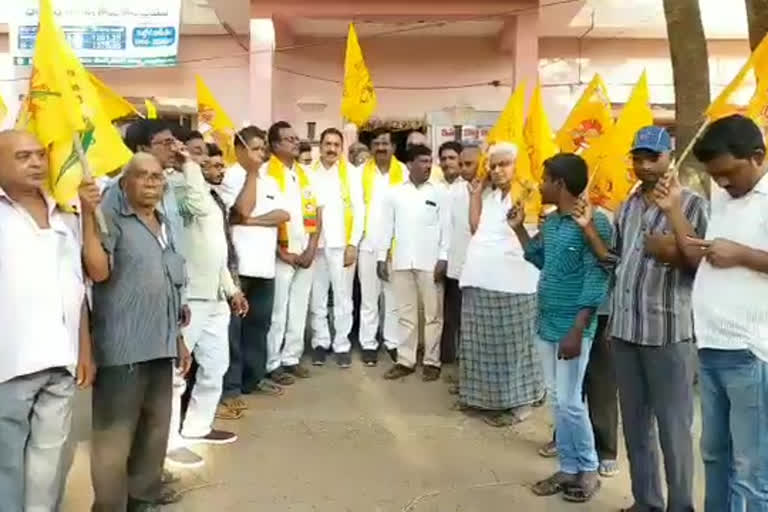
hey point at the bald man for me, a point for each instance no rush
(45, 346)
(416, 138)
(136, 316)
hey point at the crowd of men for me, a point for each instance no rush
(224, 266)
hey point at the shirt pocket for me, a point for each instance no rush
(174, 268)
(569, 258)
(431, 214)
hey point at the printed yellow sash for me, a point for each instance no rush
(369, 175)
(345, 197)
(277, 170)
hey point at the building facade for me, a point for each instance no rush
(436, 64)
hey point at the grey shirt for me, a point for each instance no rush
(136, 311)
(651, 299)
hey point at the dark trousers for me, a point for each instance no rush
(248, 338)
(131, 416)
(602, 394)
(449, 341)
(656, 389)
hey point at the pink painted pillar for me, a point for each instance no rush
(519, 40)
(260, 67)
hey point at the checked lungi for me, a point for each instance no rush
(498, 365)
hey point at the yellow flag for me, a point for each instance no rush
(590, 118)
(613, 175)
(358, 101)
(62, 104)
(509, 127)
(114, 105)
(151, 109)
(3, 109)
(748, 91)
(214, 122)
(538, 135)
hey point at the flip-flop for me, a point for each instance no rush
(576, 493)
(555, 484)
(499, 420)
(266, 387)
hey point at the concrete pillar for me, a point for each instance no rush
(519, 40)
(260, 65)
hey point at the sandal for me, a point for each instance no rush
(555, 484)
(266, 387)
(584, 489)
(501, 419)
(549, 450)
(228, 413)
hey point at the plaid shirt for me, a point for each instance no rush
(652, 300)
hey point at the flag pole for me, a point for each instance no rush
(675, 167)
(87, 174)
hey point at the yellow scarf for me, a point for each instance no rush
(369, 175)
(277, 170)
(345, 197)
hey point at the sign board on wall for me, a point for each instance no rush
(104, 33)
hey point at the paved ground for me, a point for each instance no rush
(348, 441)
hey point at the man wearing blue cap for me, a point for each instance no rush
(651, 323)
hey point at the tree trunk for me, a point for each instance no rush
(690, 69)
(757, 19)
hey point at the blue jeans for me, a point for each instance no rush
(734, 440)
(564, 379)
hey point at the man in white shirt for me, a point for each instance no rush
(459, 165)
(210, 288)
(416, 216)
(297, 245)
(339, 184)
(379, 174)
(259, 208)
(45, 346)
(731, 316)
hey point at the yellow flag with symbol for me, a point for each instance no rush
(747, 93)
(613, 175)
(358, 101)
(63, 105)
(588, 121)
(214, 123)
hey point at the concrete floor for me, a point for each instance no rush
(348, 441)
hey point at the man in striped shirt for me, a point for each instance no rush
(652, 325)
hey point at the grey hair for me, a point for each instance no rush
(503, 148)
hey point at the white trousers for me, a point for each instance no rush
(207, 337)
(289, 315)
(371, 288)
(330, 272)
(410, 286)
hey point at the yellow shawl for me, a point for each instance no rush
(345, 197)
(369, 176)
(277, 170)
